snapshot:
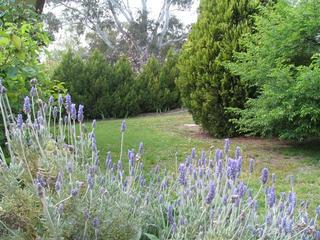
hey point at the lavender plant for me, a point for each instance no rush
(56, 185)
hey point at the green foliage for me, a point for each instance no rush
(21, 39)
(207, 87)
(280, 61)
(114, 90)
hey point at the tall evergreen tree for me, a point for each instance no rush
(206, 86)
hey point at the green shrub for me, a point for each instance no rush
(207, 87)
(282, 62)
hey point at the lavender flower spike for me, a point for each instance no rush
(60, 100)
(170, 215)
(51, 100)
(251, 161)
(26, 105)
(19, 121)
(226, 145)
(211, 193)
(80, 114)
(123, 126)
(33, 92)
(73, 111)
(264, 175)
(68, 103)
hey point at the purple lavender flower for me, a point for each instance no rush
(141, 148)
(219, 168)
(123, 126)
(80, 114)
(226, 145)
(170, 217)
(182, 175)
(94, 124)
(317, 235)
(241, 189)
(73, 111)
(217, 154)
(292, 198)
(68, 103)
(131, 158)
(119, 165)
(55, 112)
(69, 167)
(268, 219)
(40, 189)
(109, 160)
(95, 223)
(203, 159)
(33, 82)
(60, 100)
(57, 186)
(273, 177)
(26, 105)
(264, 175)
(271, 197)
(251, 161)
(211, 193)
(193, 153)
(19, 121)
(33, 92)
(237, 152)
(90, 181)
(51, 100)
(232, 168)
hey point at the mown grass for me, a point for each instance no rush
(165, 135)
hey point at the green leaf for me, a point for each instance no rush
(12, 72)
(151, 236)
(16, 41)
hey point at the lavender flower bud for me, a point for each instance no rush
(94, 124)
(58, 186)
(219, 168)
(292, 198)
(60, 100)
(69, 167)
(80, 114)
(26, 105)
(51, 100)
(170, 217)
(55, 112)
(226, 145)
(193, 153)
(251, 161)
(203, 157)
(108, 160)
(264, 175)
(33, 92)
(123, 126)
(68, 103)
(73, 111)
(33, 82)
(74, 191)
(237, 152)
(211, 193)
(273, 177)
(317, 235)
(95, 223)
(182, 175)
(40, 189)
(19, 121)
(141, 148)
(232, 169)
(271, 197)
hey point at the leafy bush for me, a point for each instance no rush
(57, 186)
(282, 62)
(207, 87)
(115, 90)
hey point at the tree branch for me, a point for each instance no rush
(172, 41)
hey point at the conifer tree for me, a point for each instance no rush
(207, 87)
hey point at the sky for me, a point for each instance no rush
(154, 6)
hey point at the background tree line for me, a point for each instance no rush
(114, 89)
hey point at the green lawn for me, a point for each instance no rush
(164, 135)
